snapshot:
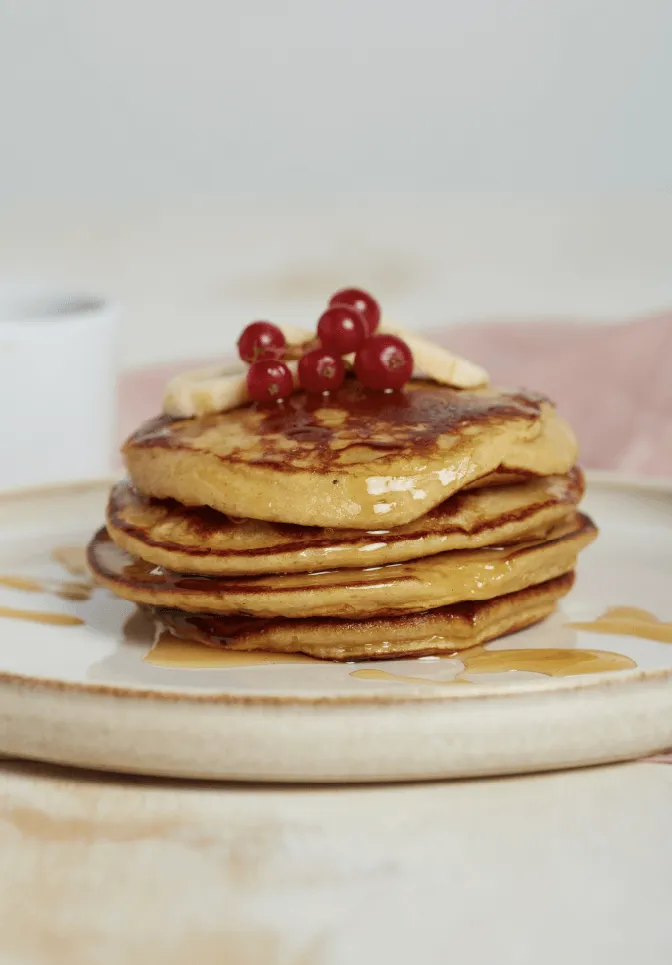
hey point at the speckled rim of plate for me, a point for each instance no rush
(607, 479)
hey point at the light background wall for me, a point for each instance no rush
(224, 158)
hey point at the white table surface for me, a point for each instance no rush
(568, 867)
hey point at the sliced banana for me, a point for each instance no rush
(212, 389)
(219, 388)
(437, 362)
(295, 335)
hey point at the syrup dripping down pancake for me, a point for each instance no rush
(400, 587)
(201, 540)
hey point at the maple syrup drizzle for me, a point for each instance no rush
(374, 674)
(172, 651)
(72, 559)
(551, 662)
(628, 621)
(37, 616)
(24, 583)
(66, 589)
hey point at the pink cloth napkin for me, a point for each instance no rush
(611, 381)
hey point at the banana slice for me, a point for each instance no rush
(212, 389)
(219, 388)
(295, 335)
(437, 362)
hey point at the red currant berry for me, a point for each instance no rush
(366, 305)
(321, 371)
(269, 380)
(341, 329)
(261, 340)
(384, 362)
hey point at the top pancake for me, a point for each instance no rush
(358, 459)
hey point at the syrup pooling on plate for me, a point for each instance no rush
(71, 558)
(172, 651)
(27, 584)
(371, 673)
(628, 621)
(37, 616)
(551, 662)
(66, 589)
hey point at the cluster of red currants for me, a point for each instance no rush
(347, 327)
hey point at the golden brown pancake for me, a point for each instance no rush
(443, 630)
(201, 540)
(411, 586)
(359, 459)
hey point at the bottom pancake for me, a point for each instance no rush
(443, 630)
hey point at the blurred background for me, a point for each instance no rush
(214, 161)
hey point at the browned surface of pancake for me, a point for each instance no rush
(443, 630)
(357, 459)
(201, 540)
(407, 421)
(415, 585)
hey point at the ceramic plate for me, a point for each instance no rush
(91, 690)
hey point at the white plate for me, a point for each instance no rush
(85, 695)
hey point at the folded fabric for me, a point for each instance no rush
(612, 382)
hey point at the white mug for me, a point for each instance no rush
(58, 386)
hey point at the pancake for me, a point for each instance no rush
(201, 540)
(412, 586)
(358, 459)
(444, 630)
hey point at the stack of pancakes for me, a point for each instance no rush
(359, 525)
